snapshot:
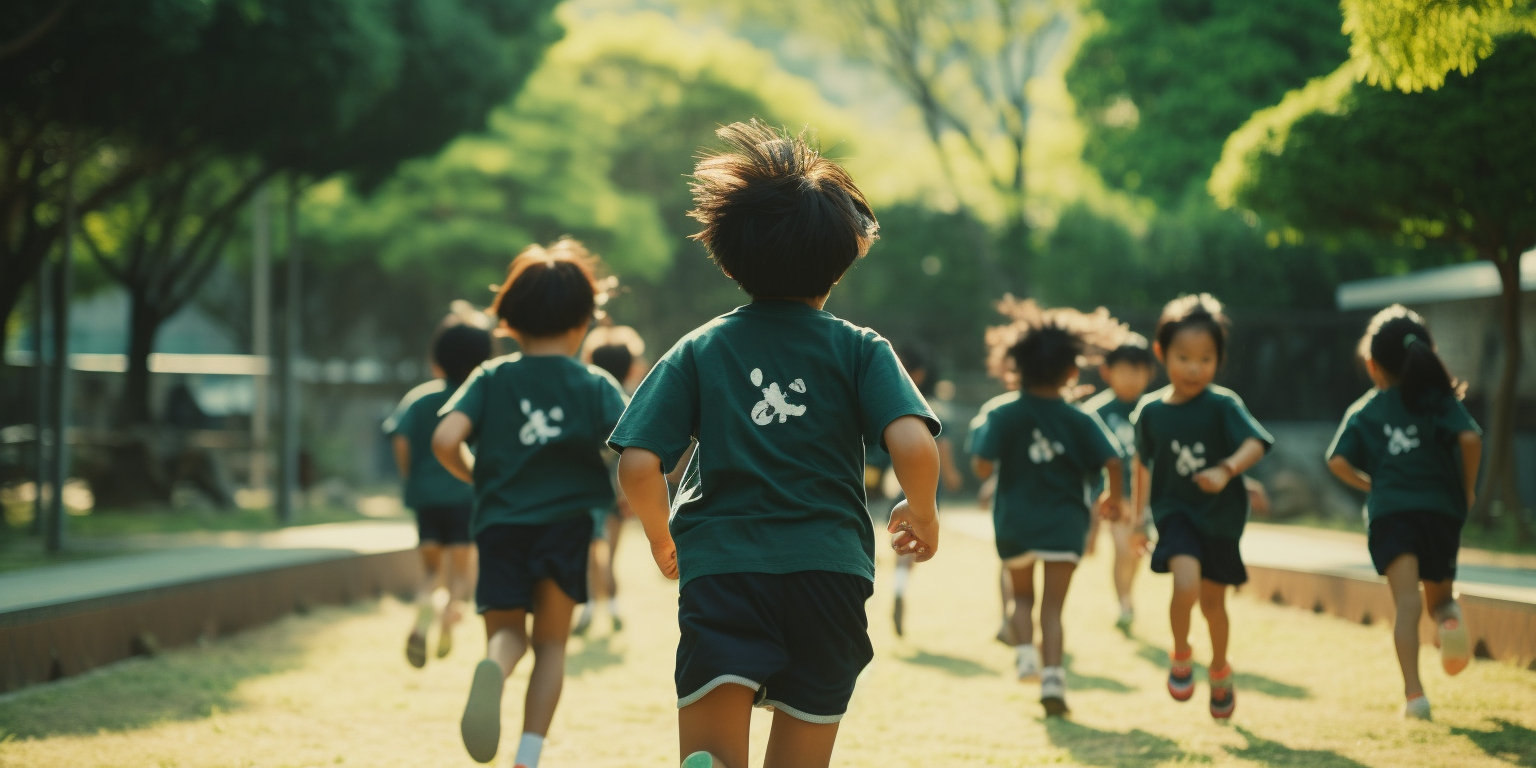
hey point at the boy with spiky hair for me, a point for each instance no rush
(769, 535)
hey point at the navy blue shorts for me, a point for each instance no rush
(799, 639)
(1220, 559)
(443, 525)
(1431, 537)
(515, 557)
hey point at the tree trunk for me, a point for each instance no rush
(1500, 479)
(143, 324)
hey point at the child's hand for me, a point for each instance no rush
(665, 554)
(1109, 509)
(911, 536)
(1214, 479)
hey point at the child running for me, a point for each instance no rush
(1127, 370)
(770, 536)
(620, 351)
(1411, 445)
(440, 501)
(538, 420)
(1046, 454)
(1194, 440)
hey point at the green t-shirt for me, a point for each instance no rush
(1413, 458)
(783, 400)
(539, 426)
(1048, 454)
(427, 483)
(1116, 415)
(1177, 441)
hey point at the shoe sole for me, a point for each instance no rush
(445, 643)
(481, 724)
(897, 612)
(1055, 706)
(416, 650)
(1455, 646)
(699, 760)
(1184, 694)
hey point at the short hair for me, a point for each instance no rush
(549, 291)
(1197, 310)
(1398, 341)
(459, 348)
(1133, 351)
(1041, 346)
(778, 217)
(914, 356)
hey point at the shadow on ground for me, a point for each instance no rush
(1077, 681)
(1246, 681)
(1132, 749)
(1510, 742)
(950, 665)
(183, 684)
(1272, 753)
(596, 654)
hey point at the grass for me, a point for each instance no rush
(332, 688)
(1500, 536)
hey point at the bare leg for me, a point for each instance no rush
(1023, 582)
(551, 628)
(1403, 580)
(1455, 642)
(720, 724)
(506, 638)
(1440, 599)
(1058, 576)
(416, 642)
(1127, 560)
(1186, 592)
(615, 526)
(794, 743)
(459, 562)
(1213, 605)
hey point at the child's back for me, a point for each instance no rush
(427, 484)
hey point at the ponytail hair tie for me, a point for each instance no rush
(1409, 340)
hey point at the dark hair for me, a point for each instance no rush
(549, 291)
(915, 357)
(1133, 350)
(1399, 343)
(1041, 346)
(616, 359)
(458, 348)
(1199, 310)
(779, 219)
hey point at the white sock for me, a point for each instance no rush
(528, 750)
(1059, 673)
(901, 579)
(1024, 651)
(613, 606)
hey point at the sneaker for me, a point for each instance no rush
(699, 760)
(481, 724)
(416, 649)
(1417, 708)
(1127, 616)
(1026, 662)
(445, 642)
(1223, 697)
(1455, 644)
(1053, 692)
(1181, 678)
(898, 609)
(583, 621)
(618, 622)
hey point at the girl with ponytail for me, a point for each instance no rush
(1411, 445)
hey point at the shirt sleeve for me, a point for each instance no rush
(1099, 444)
(1455, 419)
(985, 442)
(1241, 425)
(1347, 441)
(1146, 442)
(660, 417)
(399, 422)
(469, 399)
(886, 393)
(611, 402)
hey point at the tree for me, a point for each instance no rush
(1160, 84)
(1411, 45)
(1457, 164)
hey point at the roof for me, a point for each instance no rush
(1477, 280)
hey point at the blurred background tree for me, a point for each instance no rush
(1411, 45)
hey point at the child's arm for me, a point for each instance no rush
(402, 448)
(1141, 486)
(1346, 471)
(645, 487)
(1214, 479)
(448, 445)
(982, 467)
(1114, 494)
(1471, 458)
(915, 460)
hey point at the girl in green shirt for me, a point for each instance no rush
(1411, 445)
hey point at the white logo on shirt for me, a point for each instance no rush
(1043, 450)
(539, 429)
(1191, 458)
(1401, 440)
(773, 402)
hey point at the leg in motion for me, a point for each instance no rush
(718, 726)
(1186, 592)
(552, 610)
(1455, 640)
(795, 743)
(506, 642)
(1403, 580)
(1053, 677)
(1213, 605)
(426, 589)
(1026, 658)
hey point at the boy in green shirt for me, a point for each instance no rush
(769, 534)
(1413, 447)
(538, 420)
(441, 501)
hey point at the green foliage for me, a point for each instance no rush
(1412, 45)
(1161, 83)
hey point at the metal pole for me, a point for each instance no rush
(40, 295)
(261, 332)
(62, 287)
(288, 499)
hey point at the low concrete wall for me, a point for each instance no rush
(48, 643)
(1501, 629)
